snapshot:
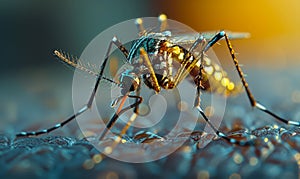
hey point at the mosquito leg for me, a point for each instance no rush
(100, 76)
(148, 64)
(59, 125)
(222, 135)
(251, 98)
(112, 121)
(120, 112)
(125, 128)
(135, 105)
(140, 26)
(89, 104)
(197, 106)
(189, 62)
(162, 19)
(119, 137)
(199, 77)
(120, 46)
(198, 83)
(138, 93)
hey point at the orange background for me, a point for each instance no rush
(274, 26)
(31, 30)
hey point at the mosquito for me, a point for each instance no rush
(152, 57)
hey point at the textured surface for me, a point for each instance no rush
(276, 153)
(56, 156)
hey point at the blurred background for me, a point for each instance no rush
(36, 89)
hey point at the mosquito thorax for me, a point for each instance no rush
(163, 55)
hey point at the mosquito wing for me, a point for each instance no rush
(190, 38)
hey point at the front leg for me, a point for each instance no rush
(148, 64)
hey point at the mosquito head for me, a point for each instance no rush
(129, 81)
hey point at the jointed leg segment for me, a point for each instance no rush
(120, 111)
(91, 99)
(251, 98)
